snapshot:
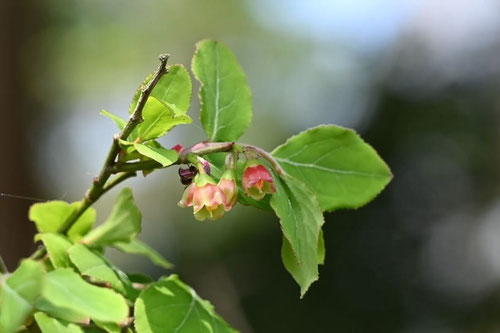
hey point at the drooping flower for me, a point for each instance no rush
(187, 197)
(206, 198)
(227, 184)
(257, 181)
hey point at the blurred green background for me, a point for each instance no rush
(418, 79)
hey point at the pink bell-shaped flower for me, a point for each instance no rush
(227, 184)
(206, 198)
(257, 181)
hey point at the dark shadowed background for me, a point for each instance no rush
(418, 79)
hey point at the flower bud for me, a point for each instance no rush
(227, 184)
(257, 181)
(205, 164)
(187, 174)
(178, 148)
(207, 199)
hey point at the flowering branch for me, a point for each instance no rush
(99, 186)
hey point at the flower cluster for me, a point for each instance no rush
(210, 199)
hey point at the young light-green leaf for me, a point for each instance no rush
(161, 155)
(57, 247)
(174, 89)
(122, 225)
(51, 325)
(135, 246)
(119, 122)
(226, 106)
(109, 327)
(301, 220)
(18, 294)
(336, 164)
(95, 266)
(321, 248)
(60, 312)
(50, 216)
(170, 306)
(159, 118)
(66, 289)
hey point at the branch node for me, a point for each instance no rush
(164, 57)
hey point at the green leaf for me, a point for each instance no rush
(187, 312)
(83, 225)
(50, 217)
(57, 247)
(97, 330)
(336, 164)
(122, 225)
(18, 294)
(301, 220)
(161, 155)
(226, 106)
(173, 89)
(95, 266)
(159, 118)
(135, 246)
(119, 122)
(137, 94)
(109, 327)
(66, 289)
(59, 312)
(51, 325)
(139, 278)
(321, 248)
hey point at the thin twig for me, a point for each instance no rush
(96, 190)
(99, 186)
(199, 149)
(265, 155)
(3, 267)
(117, 180)
(135, 166)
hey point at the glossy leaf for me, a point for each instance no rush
(66, 289)
(95, 266)
(122, 225)
(226, 107)
(57, 247)
(51, 325)
(135, 246)
(187, 312)
(50, 216)
(174, 89)
(340, 168)
(161, 155)
(159, 118)
(18, 294)
(119, 122)
(301, 220)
